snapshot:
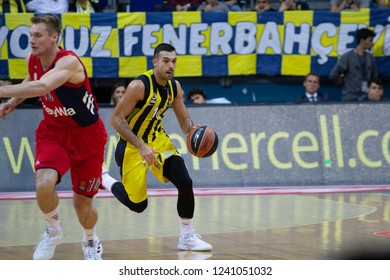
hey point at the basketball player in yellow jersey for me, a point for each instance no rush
(143, 143)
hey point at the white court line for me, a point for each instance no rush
(221, 191)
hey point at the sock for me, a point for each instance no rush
(90, 234)
(185, 226)
(53, 219)
(107, 180)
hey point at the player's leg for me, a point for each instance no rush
(87, 157)
(48, 202)
(88, 217)
(51, 163)
(120, 193)
(133, 174)
(176, 171)
(107, 180)
(86, 178)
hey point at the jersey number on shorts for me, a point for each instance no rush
(94, 184)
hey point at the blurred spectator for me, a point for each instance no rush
(302, 6)
(356, 68)
(117, 93)
(213, 6)
(340, 5)
(374, 91)
(263, 6)
(383, 4)
(47, 6)
(4, 81)
(232, 5)
(84, 6)
(178, 6)
(286, 5)
(198, 96)
(312, 84)
(12, 6)
(291, 5)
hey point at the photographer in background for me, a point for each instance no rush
(340, 5)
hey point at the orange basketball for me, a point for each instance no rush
(202, 141)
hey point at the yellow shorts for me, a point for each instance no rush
(134, 171)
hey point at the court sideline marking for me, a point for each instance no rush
(220, 191)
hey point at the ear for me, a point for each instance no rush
(55, 37)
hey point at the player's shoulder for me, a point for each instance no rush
(143, 78)
(68, 58)
(176, 84)
(136, 84)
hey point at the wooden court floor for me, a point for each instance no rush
(240, 227)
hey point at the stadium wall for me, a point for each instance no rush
(274, 145)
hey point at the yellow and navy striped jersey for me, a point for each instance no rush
(12, 6)
(146, 118)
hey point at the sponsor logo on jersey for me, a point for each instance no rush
(153, 100)
(59, 111)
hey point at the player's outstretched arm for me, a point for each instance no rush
(5, 109)
(11, 104)
(67, 69)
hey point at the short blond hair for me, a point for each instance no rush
(52, 22)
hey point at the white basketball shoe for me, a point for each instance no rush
(192, 242)
(92, 249)
(47, 244)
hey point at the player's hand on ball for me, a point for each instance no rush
(202, 141)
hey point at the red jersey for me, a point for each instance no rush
(70, 105)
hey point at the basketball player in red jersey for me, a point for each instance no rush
(70, 136)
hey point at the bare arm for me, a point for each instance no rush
(181, 111)
(11, 104)
(67, 69)
(133, 94)
(16, 101)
